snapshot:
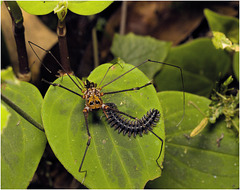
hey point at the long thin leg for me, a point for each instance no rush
(61, 86)
(181, 73)
(85, 112)
(130, 89)
(47, 51)
(148, 60)
(124, 74)
(107, 72)
(160, 148)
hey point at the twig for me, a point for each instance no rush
(123, 17)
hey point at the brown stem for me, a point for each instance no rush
(18, 30)
(123, 17)
(62, 42)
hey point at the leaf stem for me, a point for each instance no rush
(95, 47)
(22, 113)
(15, 12)
(123, 17)
(62, 42)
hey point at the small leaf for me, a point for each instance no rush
(225, 24)
(201, 63)
(135, 49)
(112, 160)
(22, 144)
(196, 162)
(61, 10)
(221, 41)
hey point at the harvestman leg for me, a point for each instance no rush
(160, 149)
(85, 112)
(130, 89)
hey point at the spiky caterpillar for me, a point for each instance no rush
(131, 126)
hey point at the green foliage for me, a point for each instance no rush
(134, 49)
(209, 160)
(223, 104)
(198, 162)
(225, 35)
(224, 24)
(22, 144)
(112, 160)
(201, 63)
(78, 7)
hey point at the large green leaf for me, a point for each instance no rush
(78, 7)
(38, 7)
(201, 64)
(135, 49)
(197, 162)
(22, 144)
(112, 160)
(88, 7)
(225, 24)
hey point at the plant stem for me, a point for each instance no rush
(62, 42)
(95, 47)
(18, 29)
(123, 17)
(22, 113)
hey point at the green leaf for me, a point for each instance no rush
(236, 64)
(197, 162)
(5, 114)
(78, 7)
(38, 7)
(135, 49)
(22, 144)
(8, 75)
(202, 64)
(225, 24)
(88, 7)
(112, 160)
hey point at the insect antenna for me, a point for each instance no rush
(48, 51)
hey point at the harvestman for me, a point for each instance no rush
(92, 94)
